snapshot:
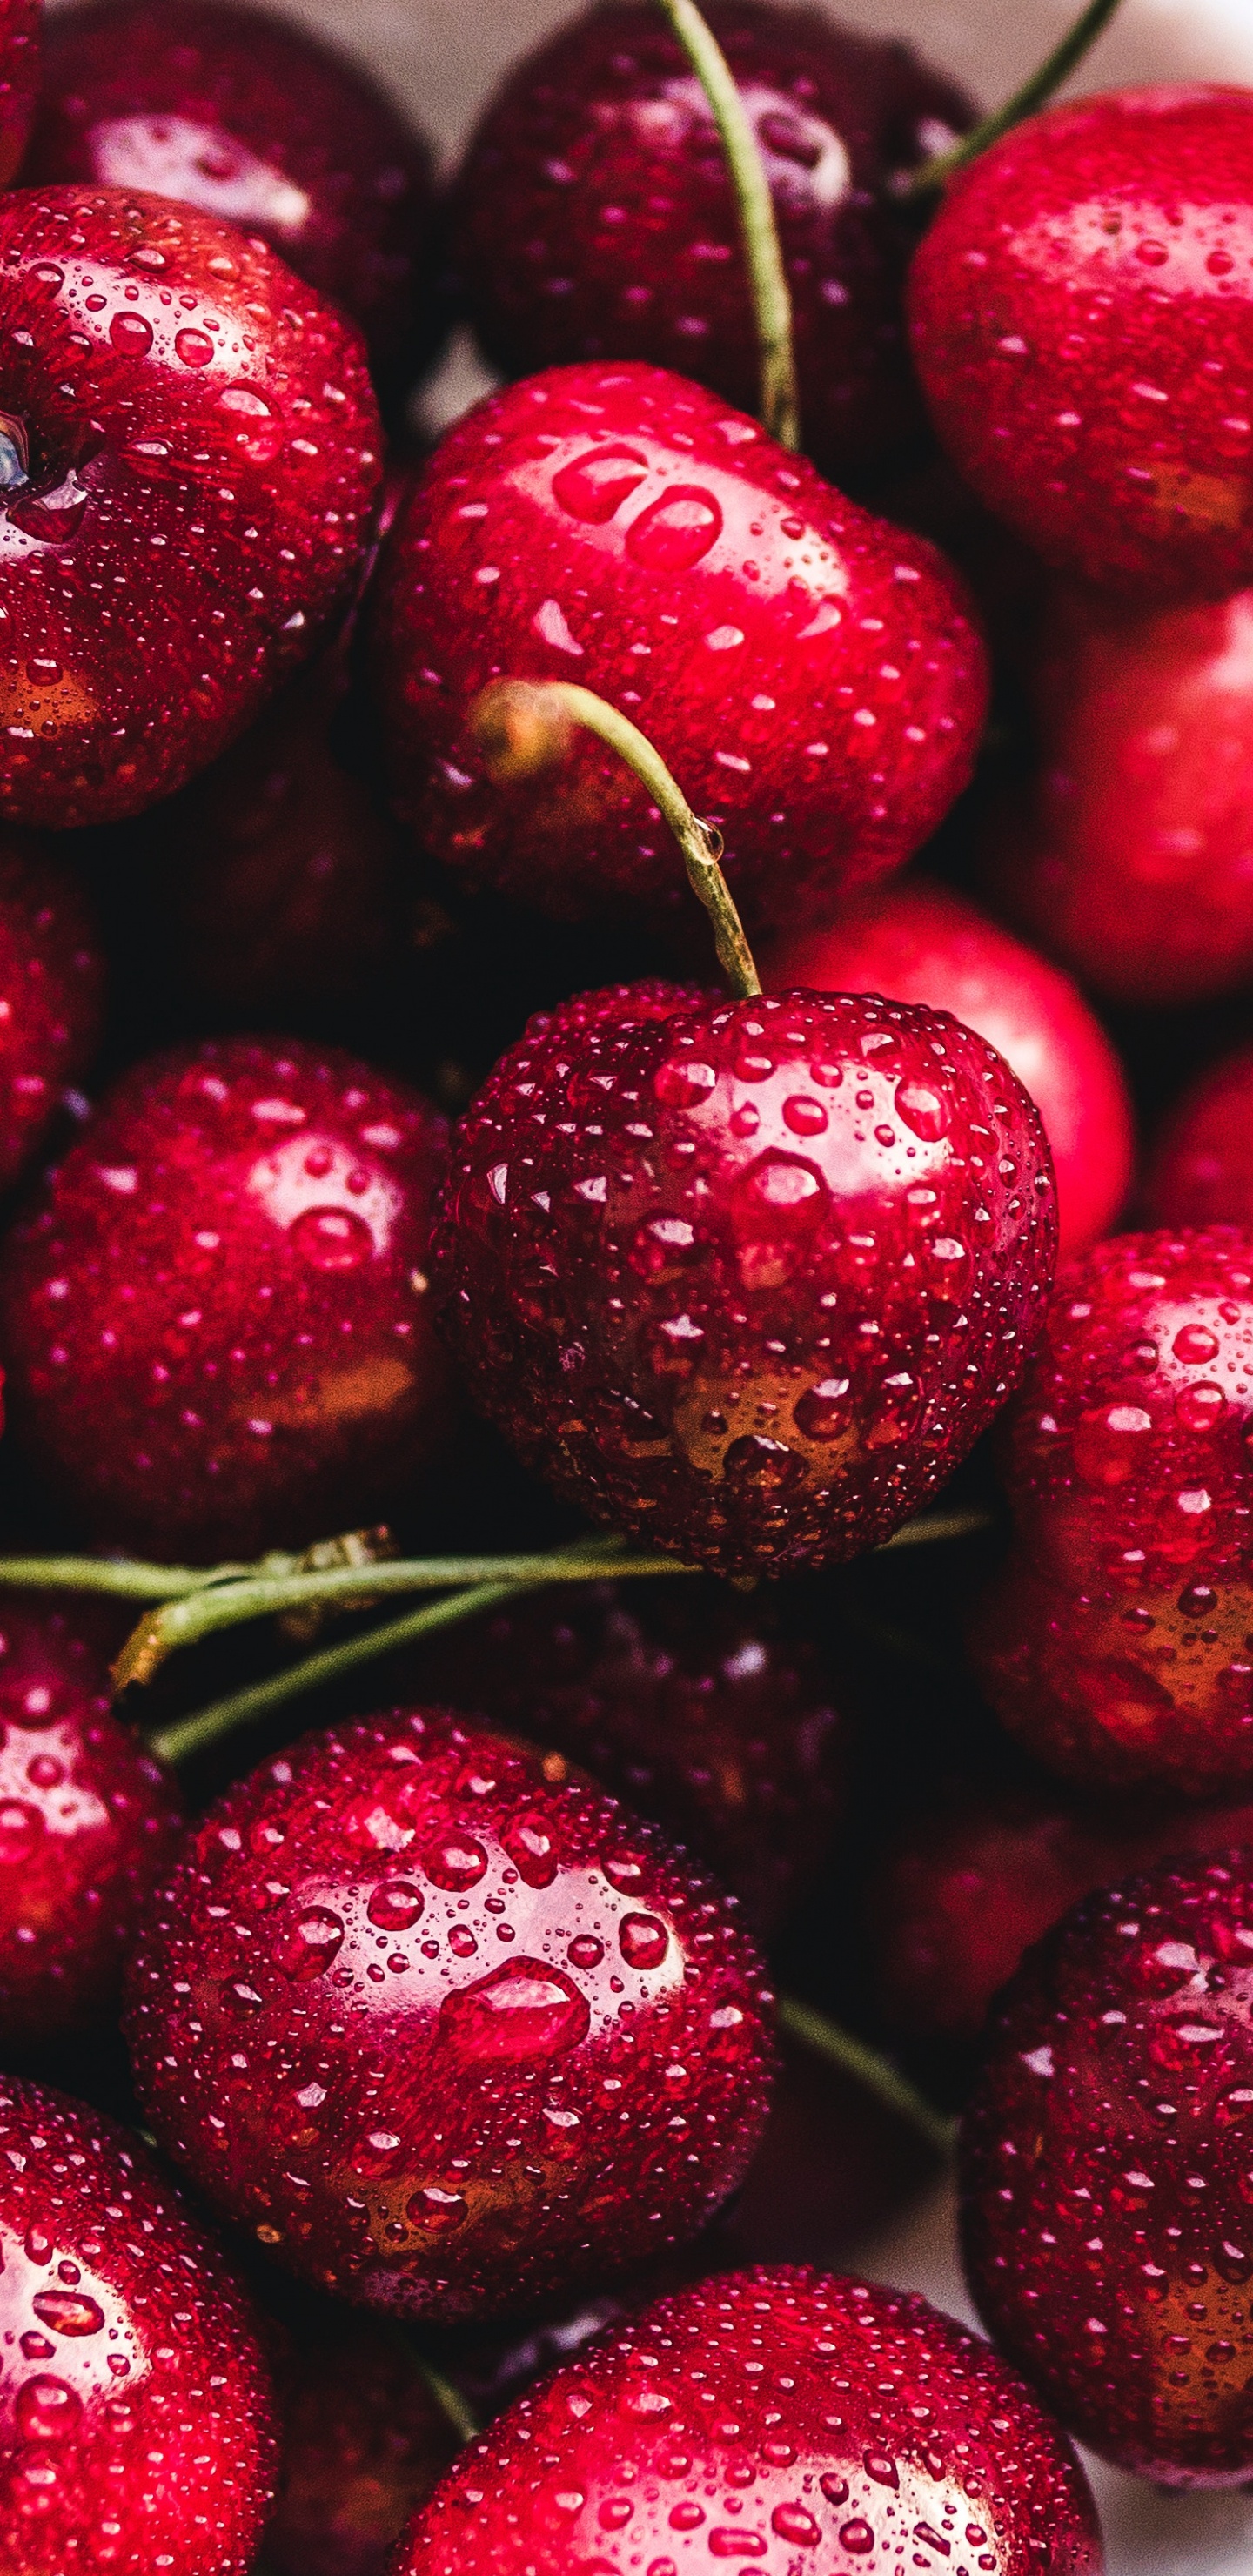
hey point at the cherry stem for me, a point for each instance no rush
(1034, 93)
(763, 255)
(523, 727)
(874, 2073)
(459, 2417)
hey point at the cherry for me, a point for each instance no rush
(748, 1279)
(135, 2416)
(88, 1823)
(763, 2416)
(1115, 1643)
(19, 80)
(920, 942)
(540, 2053)
(252, 120)
(363, 2443)
(810, 672)
(188, 453)
(1104, 2172)
(1201, 1168)
(593, 216)
(1133, 862)
(51, 993)
(1082, 320)
(215, 1318)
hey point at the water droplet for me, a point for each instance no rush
(563, 2131)
(834, 2488)
(594, 486)
(624, 1871)
(642, 1940)
(378, 2154)
(46, 2410)
(880, 2466)
(132, 336)
(923, 1108)
(805, 1116)
(727, 2540)
(454, 1863)
(394, 1905)
(784, 1189)
(307, 1948)
(523, 2010)
(1201, 1407)
(681, 1083)
(768, 1465)
(437, 2212)
(256, 433)
(793, 2522)
(68, 2312)
(332, 1238)
(1195, 1343)
(674, 532)
(585, 1951)
(857, 2537)
(21, 1828)
(824, 1412)
(195, 348)
(531, 1847)
(1109, 1444)
(461, 1942)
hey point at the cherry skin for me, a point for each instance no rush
(1133, 860)
(88, 1823)
(254, 121)
(215, 1318)
(747, 1280)
(1115, 1642)
(19, 81)
(1201, 1168)
(922, 943)
(51, 993)
(1082, 320)
(136, 2421)
(541, 2052)
(363, 2444)
(189, 450)
(1104, 2172)
(810, 674)
(761, 2416)
(593, 217)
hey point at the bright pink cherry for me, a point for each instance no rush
(216, 1317)
(811, 674)
(448, 2028)
(253, 120)
(19, 80)
(136, 2421)
(363, 2442)
(51, 993)
(189, 448)
(784, 2418)
(1082, 320)
(88, 1823)
(749, 1279)
(1201, 1168)
(1104, 2169)
(1116, 1641)
(920, 942)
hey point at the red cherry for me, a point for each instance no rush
(136, 2427)
(216, 1317)
(810, 673)
(1201, 1170)
(51, 993)
(922, 943)
(19, 80)
(256, 122)
(748, 1280)
(1115, 1643)
(88, 1823)
(363, 2444)
(449, 2028)
(1082, 318)
(1134, 860)
(185, 435)
(761, 2417)
(1105, 2160)
(593, 217)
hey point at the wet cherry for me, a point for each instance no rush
(136, 2425)
(363, 2442)
(1201, 1168)
(216, 1317)
(51, 993)
(19, 80)
(747, 1280)
(447, 2027)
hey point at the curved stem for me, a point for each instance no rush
(1036, 90)
(116, 1576)
(931, 1526)
(523, 727)
(874, 2073)
(763, 256)
(457, 2414)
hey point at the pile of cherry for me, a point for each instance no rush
(397, 2114)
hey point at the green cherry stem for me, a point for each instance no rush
(116, 1576)
(763, 256)
(1035, 92)
(868, 2068)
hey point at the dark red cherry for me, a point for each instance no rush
(88, 1823)
(1201, 1168)
(782, 2417)
(216, 1317)
(748, 1280)
(136, 2422)
(592, 216)
(920, 942)
(363, 2442)
(189, 448)
(811, 674)
(1082, 320)
(255, 121)
(447, 2027)
(51, 993)
(1116, 1641)
(19, 80)
(1105, 2172)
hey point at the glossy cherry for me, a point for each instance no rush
(920, 942)
(253, 120)
(449, 2028)
(1201, 1168)
(136, 2423)
(216, 1317)
(750, 1278)
(762, 2417)
(1116, 1641)
(19, 80)
(363, 2442)
(189, 449)
(810, 674)
(593, 217)
(51, 993)
(1082, 320)
(88, 1823)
